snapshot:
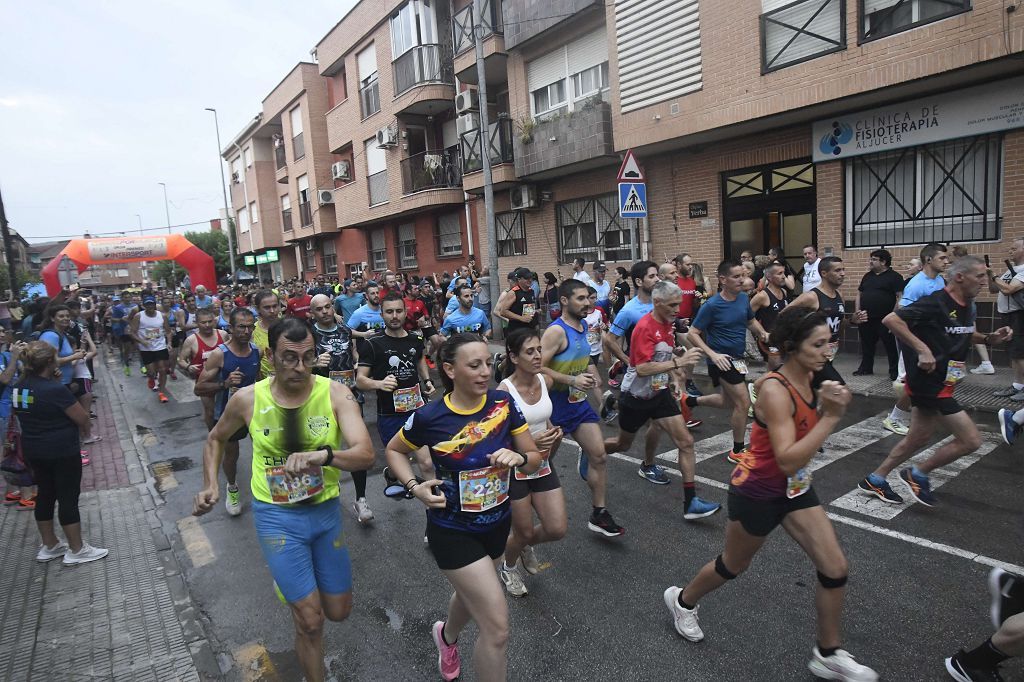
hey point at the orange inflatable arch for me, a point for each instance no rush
(86, 252)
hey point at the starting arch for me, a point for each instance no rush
(86, 252)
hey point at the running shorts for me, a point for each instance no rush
(304, 547)
(594, 359)
(944, 406)
(826, 373)
(455, 549)
(570, 416)
(761, 517)
(178, 338)
(151, 356)
(517, 489)
(390, 424)
(429, 332)
(635, 412)
(731, 376)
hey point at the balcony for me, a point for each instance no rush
(495, 59)
(305, 214)
(286, 220)
(424, 81)
(298, 147)
(378, 184)
(581, 138)
(503, 173)
(432, 170)
(524, 20)
(279, 158)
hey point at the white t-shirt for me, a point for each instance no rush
(812, 277)
(595, 325)
(584, 277)
(1010, 304)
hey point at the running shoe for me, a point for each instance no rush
(85, 555)
(1007, 592)
(699, 508)
(151, 384)
(127, 371)
(430, 362)
(361, 510)
(448, 663)
(26, 505)
(615, 373)
(143, 371)
(653, 473)
(691, 389)
(880, 488)
(896, 426)
(920, 488)
(604, 524)
(693, 423)
(174, 376)
(92, 439)
(961, 673)
(984, 368)
(161, 397)
(1007, 427)
(1005, 392)
(84, 454)
(733, 457)
(608, 412)
(12, 497)
(752, 393)
(514, 584)
(528, 558)
(582, 463)
(840, 666)
(1017, 397)
(686, 621)
(232, 500)
(50, 553)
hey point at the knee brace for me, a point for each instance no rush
(831, 583)
(721, 570)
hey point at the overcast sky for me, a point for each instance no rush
(100, 101)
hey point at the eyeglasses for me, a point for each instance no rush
(291, 360)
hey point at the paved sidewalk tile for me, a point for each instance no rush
(21, 592)
(107, 466)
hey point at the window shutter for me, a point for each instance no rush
(590, 50)
(546, 69)
(366, 62)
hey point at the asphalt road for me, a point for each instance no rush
(596, 611)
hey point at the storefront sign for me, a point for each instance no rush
(128, 249)
(698, 209)
(261, 259)
(272, 256)
(988, 108)
(249, 260)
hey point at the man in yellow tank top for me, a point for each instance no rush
(268, 311)
(297, 422)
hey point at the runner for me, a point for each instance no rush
(268, 310)
(231, 366)
(466, 318)
(518, 305)
(540, 491)
(195, 350)
(119, 332)
(298, 302)
(366, 320)
(770, 487)
(296, 421)
(224, 318)
(152, 333)
(565, 357)
(720, 330)
(767, 304)
(982, 662)
(935, 353)
(602, 286)
(475, 436)
(597, 324)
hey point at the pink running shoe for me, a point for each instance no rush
(448, 662)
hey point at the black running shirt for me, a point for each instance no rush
(834, 309)
(398, 356)
(946, 327)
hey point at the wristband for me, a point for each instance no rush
(330, 456)
(410, 484)
(526, 460)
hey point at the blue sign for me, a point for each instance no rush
(633, 199)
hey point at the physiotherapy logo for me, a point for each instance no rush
(832, 141)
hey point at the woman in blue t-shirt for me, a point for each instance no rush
(57, 320)
(475, 437)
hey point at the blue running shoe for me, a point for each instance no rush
(1007, 426)
(653, 473)
(691, 389)
(582, 464)
(880, 488)
(918, 486)
(699, 508)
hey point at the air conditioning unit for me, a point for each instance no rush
(387, 137)
(523, 197)
(324, 196)
(341, 170)
(234, 178)
(467, 100)
(310, 246)
(468, 122)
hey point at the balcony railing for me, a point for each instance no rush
(279, 158)
(432, 170)
(286, 220)
(423, 64)
(462, 24)
(298, 147)
(369, 98)
(378, 183)
(305, 214)
(500, 133)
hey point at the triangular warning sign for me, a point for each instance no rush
(633, 202)
(630, 171)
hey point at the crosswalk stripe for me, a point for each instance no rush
(858, 501)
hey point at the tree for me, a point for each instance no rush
(24, 277)
(214, 243)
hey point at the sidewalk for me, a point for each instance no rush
(125, 617)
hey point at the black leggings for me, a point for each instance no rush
(60, 482)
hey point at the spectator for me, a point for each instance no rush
(761, 262)
(578, 272)
(483, 292)
(877, 295)
(621, 290)
(809, 275)
(535, 286)
(777, 256)
(688, 285)
(912, 267)
(20, 485)
(747, 256)
(602, 286)
(56, 322)
(551, 295)
(50, 419)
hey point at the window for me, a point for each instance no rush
(309, 250)
(298, 146)
(407, 246)
(330, 255)
(376, 171)
(793, 32)
(590, 82)
(579, 67)
(254, 213)
(378, 251)
(592, 229)
(945, 192)
(305, 209)
(549, 99)
(369, 90)
(286, 213)
(243, 220)
(511, 234)
(880, 18)
(247, 156)
(449, 235)
(412, 25)
(236, 170)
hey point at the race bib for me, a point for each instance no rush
(528, 309)
(659, 382)
(739, 365)
(407, 399)
(577, 395)
(345, 376)
(833, 350)
(798, 484)
(954, 372)
(285, 489)
(482, 489)
(544, 470)
(593, 338)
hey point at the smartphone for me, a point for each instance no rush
(987, 264)
(19, 336)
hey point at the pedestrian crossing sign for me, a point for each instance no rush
(633, 199)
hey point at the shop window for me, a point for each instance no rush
(449, 235)
(943, 192)
(794, 32)
(378, 251)
(407, 246)
(880, 18)
(592, 229)
(511, 234)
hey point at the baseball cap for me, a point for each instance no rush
(115, 298)
(348, 281)
(148, 299)
(599, 265)
(522, 273)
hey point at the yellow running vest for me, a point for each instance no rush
(279, 431)
(261, 338)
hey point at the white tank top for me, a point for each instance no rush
(538, 414)
(151, 329)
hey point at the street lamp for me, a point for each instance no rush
(139, 218)
(224, 189)
(167, 211)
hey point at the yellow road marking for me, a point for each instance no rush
(198, 546)
(165, 476)
(254, 663)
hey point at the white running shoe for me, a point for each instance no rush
(514, 584)
(896, 426)
(840, 666)
(529, 560)
(85, 555)
(686, 621)
(984, 368)
(362, 510)
(232, 500)
(50, 553)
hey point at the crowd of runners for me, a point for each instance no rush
(291, 366)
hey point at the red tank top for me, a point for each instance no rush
(203, 351)
(758, 474)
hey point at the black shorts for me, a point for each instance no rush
(177, 339)
(635, 412)
(594, 359)
(77, 388)
(761, 517)
(455, 549)
(151, 356)
(718, 376)
(517, 489)
(429, 332)
(944, 406)
(826, 373)
(1015, 321)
